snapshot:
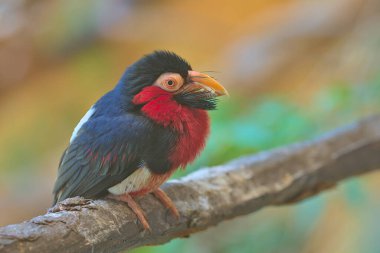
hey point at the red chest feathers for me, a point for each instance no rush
(191, 124)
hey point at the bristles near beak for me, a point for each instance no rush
(207, 82)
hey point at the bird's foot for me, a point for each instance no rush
(166, 201)
(134, 206)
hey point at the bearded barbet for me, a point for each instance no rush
(133, 138)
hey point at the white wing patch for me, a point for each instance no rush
(133, 183)
(81, 122)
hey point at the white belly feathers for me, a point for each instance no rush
(133, 183)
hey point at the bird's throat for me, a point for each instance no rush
(190, 124)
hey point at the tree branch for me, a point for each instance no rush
(204, 198)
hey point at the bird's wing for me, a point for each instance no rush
(103, 153)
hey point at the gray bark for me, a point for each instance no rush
(204, 198)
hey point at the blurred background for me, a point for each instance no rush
(294, 69)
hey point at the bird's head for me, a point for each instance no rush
(163, 77)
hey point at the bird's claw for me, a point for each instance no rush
(134, 206)
(166, 201)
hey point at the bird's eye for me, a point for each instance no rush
(169, 81)
(171, 84)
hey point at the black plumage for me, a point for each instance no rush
(146, 70)
(106, 151)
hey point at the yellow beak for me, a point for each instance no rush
(207, 82)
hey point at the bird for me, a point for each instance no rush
(153, 122)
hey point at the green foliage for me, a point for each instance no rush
(243, 126)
